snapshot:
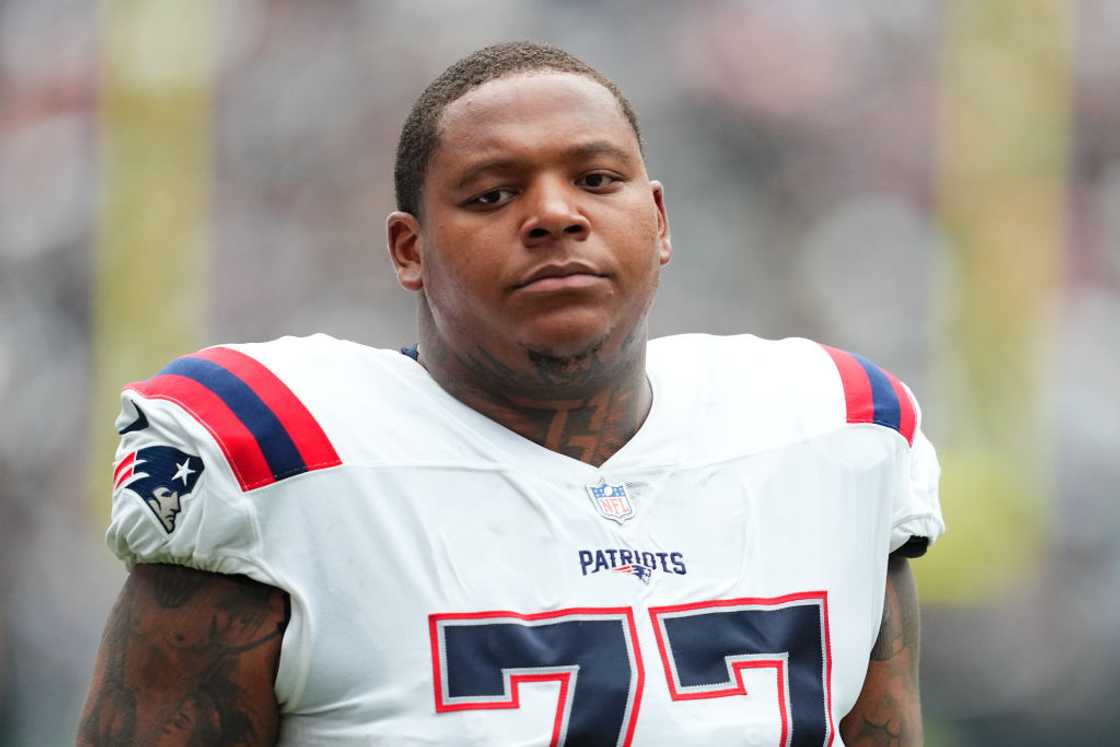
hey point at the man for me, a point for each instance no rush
(533, 528)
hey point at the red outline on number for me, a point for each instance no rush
(783, 707)
(563, 678)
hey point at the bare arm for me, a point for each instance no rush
(888, 712)
(187, 658)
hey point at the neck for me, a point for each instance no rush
(580, 406)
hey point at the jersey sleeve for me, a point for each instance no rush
(173, 498)
(873, 395)
(202, 443)
(917, 522)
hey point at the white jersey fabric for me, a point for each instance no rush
(718, 581)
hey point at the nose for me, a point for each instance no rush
(553, 214)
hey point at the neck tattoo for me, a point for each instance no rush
(590, 426)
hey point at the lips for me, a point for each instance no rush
(566, 276)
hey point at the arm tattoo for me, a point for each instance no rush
(188, 658)
(899, 629)
(110, 714)
(177, 585)
(888, 712)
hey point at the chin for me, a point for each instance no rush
(567, 368)
(566, 339)
(566, 350)
(576, 361)
(577, 344)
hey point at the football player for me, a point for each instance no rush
(535, 527)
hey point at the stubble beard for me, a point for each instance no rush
(583, 372)
(569, 371)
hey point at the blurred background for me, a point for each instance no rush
(934, 183)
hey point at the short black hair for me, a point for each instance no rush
(420, 134)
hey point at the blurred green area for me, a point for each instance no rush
(152, 280)
(1004, 145)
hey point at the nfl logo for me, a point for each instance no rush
(611, 501)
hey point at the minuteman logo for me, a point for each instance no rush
(162, 476)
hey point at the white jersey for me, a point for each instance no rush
(718, 581)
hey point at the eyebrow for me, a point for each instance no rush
(599, 148)
(580, 152)
(499, 165)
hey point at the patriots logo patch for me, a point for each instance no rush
(161, 476)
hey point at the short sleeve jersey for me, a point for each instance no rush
(719, 580)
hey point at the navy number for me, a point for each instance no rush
(480, 659)
(706, 646)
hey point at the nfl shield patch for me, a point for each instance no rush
(611, 501)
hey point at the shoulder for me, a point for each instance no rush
(268, 370)
(873, 394)
(209, 428)
(744, 395)
(801, 386)
(268, 407)
(246, 406)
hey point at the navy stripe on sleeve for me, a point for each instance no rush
(887, 410)
(277, 446)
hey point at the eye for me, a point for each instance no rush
(492, 198)
(598, 181)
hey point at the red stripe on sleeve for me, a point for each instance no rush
(908, 414)
(239, 445)
(301, 425)
(121, 468)
(857, 387)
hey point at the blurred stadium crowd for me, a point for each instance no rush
(818, 158)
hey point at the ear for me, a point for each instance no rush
(403, 231)
(666, 249)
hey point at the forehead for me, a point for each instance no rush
(530, 111)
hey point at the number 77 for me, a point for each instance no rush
(480, 659)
